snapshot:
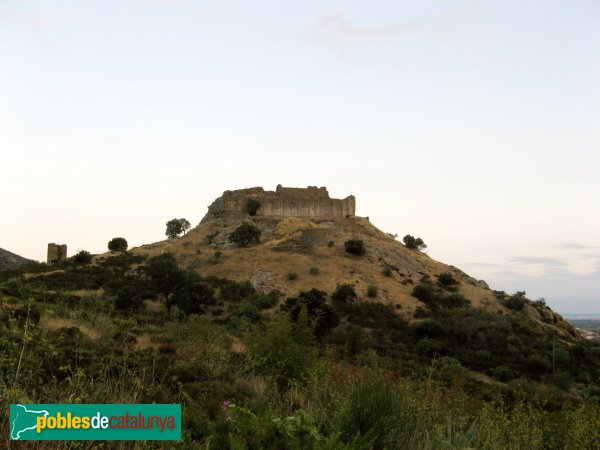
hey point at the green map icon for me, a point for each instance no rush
(23, 419)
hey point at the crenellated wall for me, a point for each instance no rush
(312, 202)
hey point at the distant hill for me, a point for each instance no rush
(9, 260)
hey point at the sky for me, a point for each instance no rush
(472, 124)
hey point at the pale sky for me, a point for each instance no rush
(472, 124)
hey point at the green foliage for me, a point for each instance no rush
(387, 271)
(372, 291)
(314, 271)
(177, 226)
(425, 292)
(284, 351)
(117, 244)
(192, 294)
(330, 244)
(516, 301)
(413, 243)
(429, 347)
(503, 373)
(252, 206)
(344, 293)
(292, 276)
(83, 257)
(446, 279)
(314, 304)
(454, 300)
(245, 235)
(355, 247)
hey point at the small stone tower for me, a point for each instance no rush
(56, 253)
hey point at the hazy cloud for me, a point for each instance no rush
(574, 245)
(337, 28)
(537, 260)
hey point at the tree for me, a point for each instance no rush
(245, 234)
(177, 226)
(414, 243)
(252, 206)
(355, 247)
(117, 244)
(83, 257)
(192, 293)
(314, 302)
(165, 274)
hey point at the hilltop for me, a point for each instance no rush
(9, 260)
(291, 243)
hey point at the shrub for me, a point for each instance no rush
(503, 373)
(344, 293)
(317, 310)
(516, 301)
(292, 276)
(455, 300)
(218, 254)
(330, 244)
(355, 247)
(428, 328)
(285, 351)
(83, 257)
(313, 271)
(538, 364)
(245, 235)
(193, 294)
(424, 292)
(446, 279)
(428, 347)
(117, 244)
(252, 206)
(387, 271)
(413, 243)
(372, 291)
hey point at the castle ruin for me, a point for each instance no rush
(311, 202)
(56, 253)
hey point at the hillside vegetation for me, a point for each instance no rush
(290, 341)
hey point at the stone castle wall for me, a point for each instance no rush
(311, 202)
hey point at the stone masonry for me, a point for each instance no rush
(56, 253)
(311, 202)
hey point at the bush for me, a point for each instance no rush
(285, 351)
(372, 291)
(117, 244)
(503, 373)
(355, 247)
(428, 347)
(252, 206)
(245, 235)
(455, 300)
(330, 244)
(446, 279)
(344, 293)
(318, 311)
(538, 364)
(387, 272)
(516, 301)
(292, 276)
(193, 294)
(83, 257)
(424, 292)
(313, 271)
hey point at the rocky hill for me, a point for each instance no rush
(10, 260)
(299, 253)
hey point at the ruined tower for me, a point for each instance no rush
(56, 253)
